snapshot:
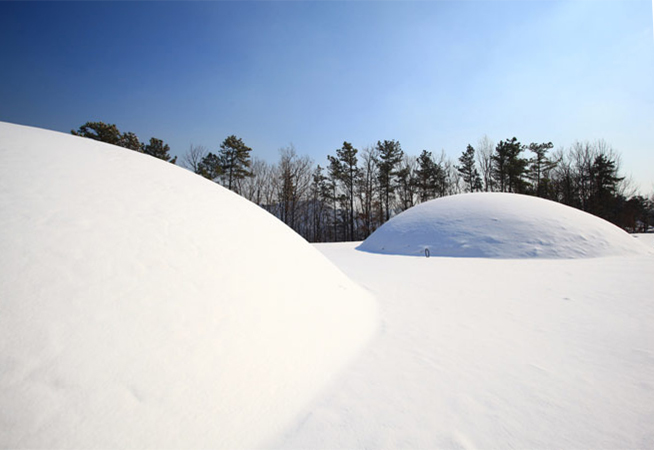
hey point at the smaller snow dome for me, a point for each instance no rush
(499, 225)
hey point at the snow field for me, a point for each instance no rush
(488, 353)
(142, 306)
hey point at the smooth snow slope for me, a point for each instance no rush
(480, 353)
(498, 225)
(143, 306)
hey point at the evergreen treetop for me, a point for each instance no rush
(158, 149)
(209, 167)
(99, 131)
(110, 134)
(468, 170)
(508, 167)
(389, 154)
(235, 160)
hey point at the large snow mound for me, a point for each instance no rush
(144, 306)
(499, 225)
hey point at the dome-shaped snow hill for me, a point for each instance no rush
(499, 225)
(142, 306)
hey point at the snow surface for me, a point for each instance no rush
(494, 354)
(499, 225)
(142, 306)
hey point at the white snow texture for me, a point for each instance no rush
(142, 306)
(499, 225)
(481, 353)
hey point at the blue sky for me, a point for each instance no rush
(432, 74)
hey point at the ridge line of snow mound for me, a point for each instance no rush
(500, 225)
(142, 306)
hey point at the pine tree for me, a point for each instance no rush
(427, 175)
(390, 155)
(468, 170)
(508, 167)
(131, 141)
(604, 181)
(158, 149)
(110, 134)
(99, 131)
(604, 176)
(234, 158)
(539, 166)
(345, 170)
(209, 167)
(319, 200)
(500, 166)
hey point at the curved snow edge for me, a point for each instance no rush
(500, 225)
(144, 306)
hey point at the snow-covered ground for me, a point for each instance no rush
(142, 306)
(488, 353)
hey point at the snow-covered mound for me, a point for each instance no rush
(144, 306)
(497, 225)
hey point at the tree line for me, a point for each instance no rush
(356, 191)
(110, 134)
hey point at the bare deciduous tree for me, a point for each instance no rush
(407, 187)
(367, 187)
(257, 188)
(293, 182)
(193, 157)
(485, 149)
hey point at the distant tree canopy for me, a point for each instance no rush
(110, 134)
(356, 192)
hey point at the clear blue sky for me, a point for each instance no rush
(433, 75)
